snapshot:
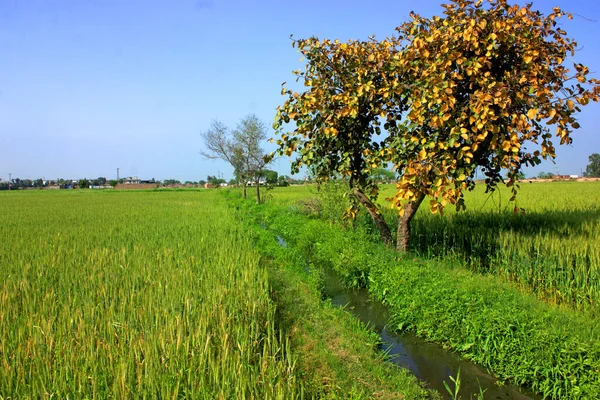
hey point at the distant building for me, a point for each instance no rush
(261, 181)
(131, 180)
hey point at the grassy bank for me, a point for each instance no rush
(551, 249)
(521, 339)
(337, 356)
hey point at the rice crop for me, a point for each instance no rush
(552, 248)
(134, 295)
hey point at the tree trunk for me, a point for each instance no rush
(410, 210)
(384, 230)
(244, 189)
(256, 180)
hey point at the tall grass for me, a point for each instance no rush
(149, 294)
(552, 248)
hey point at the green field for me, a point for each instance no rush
(186, 294)
(485, 283)
(551, 249)
(127, 295)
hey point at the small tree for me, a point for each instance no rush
(83, 184)
(250, 132)
(240, 148)
(593, 168)
(270, 176)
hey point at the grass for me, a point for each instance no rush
(145, 295)
(337, 356)
(550, 250)
(500, 323)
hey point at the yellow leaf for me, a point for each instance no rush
(532, 113)
(571, 105)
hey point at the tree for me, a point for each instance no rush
(282, 180)
(481, 87)
(545, 175)
(270, 176)
(240, 148)
(383, 175)
(83, 184)
(487, 83)
(213, 180)
(248, 153)
(593, 168)
(352, 92)
(113, 182)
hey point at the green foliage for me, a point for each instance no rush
(282, 181)
(271, 176)
(328, 341)
(545, 175)
(517, 336)
(593, 168)
(83, 184)
(383, 175)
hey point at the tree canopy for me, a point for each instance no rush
(485, 85)
(593, 168)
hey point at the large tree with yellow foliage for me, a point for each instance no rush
(484, 86)
(339, 120)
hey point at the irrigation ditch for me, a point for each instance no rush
(428, 361)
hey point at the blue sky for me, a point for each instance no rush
(90, 86)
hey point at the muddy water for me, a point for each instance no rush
(428, 361)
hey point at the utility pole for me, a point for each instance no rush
(9, 181)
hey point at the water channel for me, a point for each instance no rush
(429, 362)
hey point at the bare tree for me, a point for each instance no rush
(248, 135)
(240, 148)
(221, 144)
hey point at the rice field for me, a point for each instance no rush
(134, 295)
(552, 249)
(160, 294)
